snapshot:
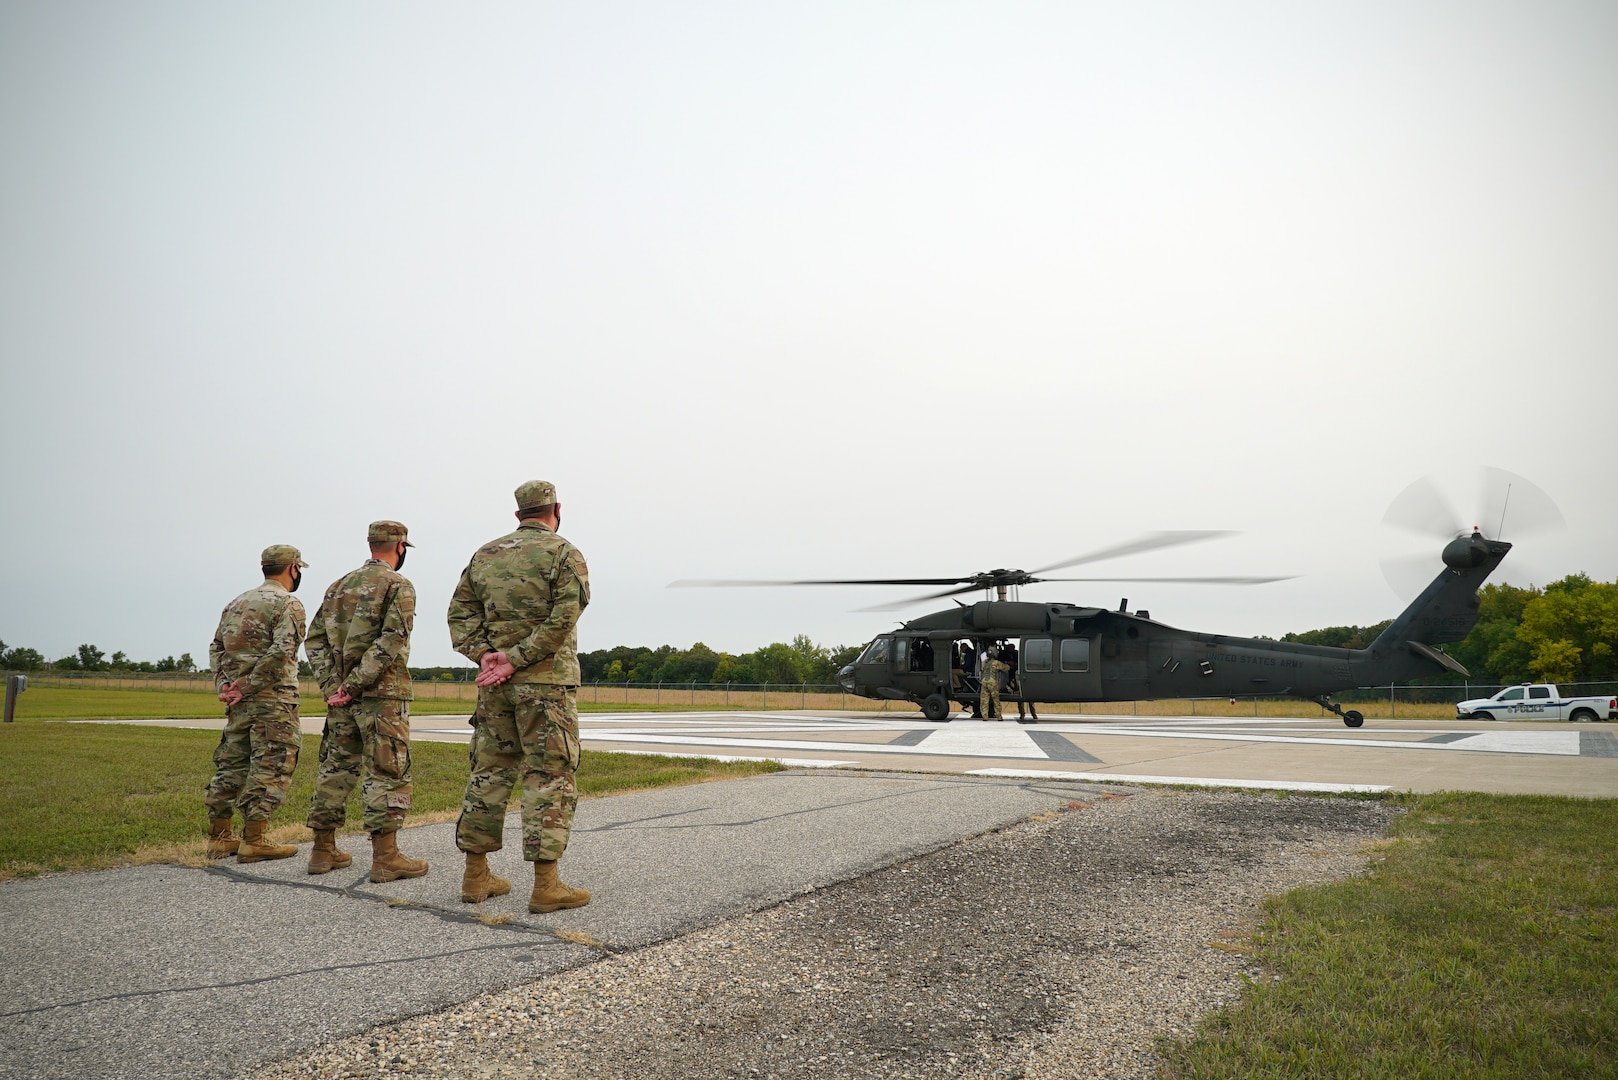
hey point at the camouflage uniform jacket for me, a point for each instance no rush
(522, 595)
(256, 645)
(359, 639)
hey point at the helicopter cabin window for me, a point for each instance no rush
(876, 652)
(921, 655)
(1539, 691)
(1036, 654)
(901, 653)
(1076, 654)
(1514, 694)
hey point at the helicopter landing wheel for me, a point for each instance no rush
(1354, 718)
(935, 708)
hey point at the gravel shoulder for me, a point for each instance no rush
(1063, 946)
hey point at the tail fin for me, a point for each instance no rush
(1448, 608)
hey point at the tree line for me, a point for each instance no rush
(1564, 632)
(90, 658)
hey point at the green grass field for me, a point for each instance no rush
(74, 703)
(1482, 944)
(89, 796)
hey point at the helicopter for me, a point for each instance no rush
(1066, 653)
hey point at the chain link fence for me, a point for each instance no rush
(1394, 701)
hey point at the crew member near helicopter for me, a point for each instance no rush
(991, 669)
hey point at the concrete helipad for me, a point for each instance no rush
(1294, 753)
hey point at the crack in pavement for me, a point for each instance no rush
(164, 991)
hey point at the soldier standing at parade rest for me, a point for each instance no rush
(359, 647)
(254, 654)
(516, 612)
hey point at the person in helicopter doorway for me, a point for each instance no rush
(1014, 682)
(992, 671)
(962, 664)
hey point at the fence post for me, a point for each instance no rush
(727, 695)
(1393, 705)
(766, 704)
(803, 703)
(659, 692)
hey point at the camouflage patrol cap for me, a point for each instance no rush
(535, 493)
(382, 532)
(281, 555)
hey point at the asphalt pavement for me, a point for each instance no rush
(170, 971)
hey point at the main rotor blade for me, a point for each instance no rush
(895, 605)
(702, 583)
(1148, 542)
(1184, 580)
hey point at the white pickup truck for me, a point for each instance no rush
(1538, 701)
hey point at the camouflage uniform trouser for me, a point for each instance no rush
(531, 730)
(374, 735)
(254, 760)
(989, 697)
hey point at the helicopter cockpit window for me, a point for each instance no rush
(876, 652)
(1076, 654)
(1036, 654)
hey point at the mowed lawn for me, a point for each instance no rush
(74, 703)
(1482, 943)
(89, 796)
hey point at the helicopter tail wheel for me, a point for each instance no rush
(1354, 718)
(935, 708)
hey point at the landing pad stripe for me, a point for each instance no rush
(1058, 748)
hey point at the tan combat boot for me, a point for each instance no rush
(221, 844)
(324, 858)
(477, 884)
(550, 894)
(254, 848)
(388, 864)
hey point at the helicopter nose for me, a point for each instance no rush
(845, 678)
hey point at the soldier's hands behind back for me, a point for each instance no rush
(494, 669)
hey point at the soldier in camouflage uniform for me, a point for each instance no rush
(991, 669)
(359, 647)
(516, 612)
(255, 663)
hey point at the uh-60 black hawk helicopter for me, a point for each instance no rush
(1066, 653)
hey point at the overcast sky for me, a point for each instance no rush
(792, 290)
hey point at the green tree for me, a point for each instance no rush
(22, 659)
(1571, 631)
(91, 658)
(696, 664)
(185, 662)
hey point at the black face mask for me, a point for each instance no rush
(400, 564)
(297, 579)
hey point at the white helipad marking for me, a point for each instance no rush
(1522, 742)
(1199, 781)
(979, 738)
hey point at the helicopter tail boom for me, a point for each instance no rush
(1446, 610)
